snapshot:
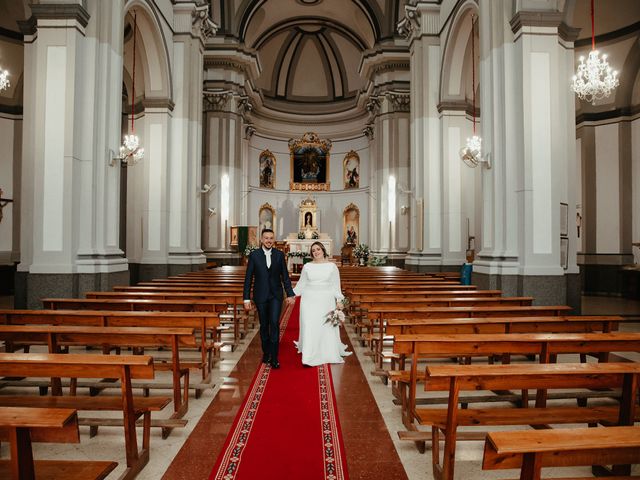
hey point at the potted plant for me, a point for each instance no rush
(361, 252)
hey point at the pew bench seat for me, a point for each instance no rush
(533, 450)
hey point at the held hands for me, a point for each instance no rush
(339, 305)
(290, 300)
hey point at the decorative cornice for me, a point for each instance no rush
(400, 101)
(535, 19)
(201, 23)
(224, 64)
(460, 106)
(158, 103)
(29, 26)
(215, 101)
(61, 11)
(567, 33)
(373, 105)
(368, 132)
(392, 66)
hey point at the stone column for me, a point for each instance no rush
(528, 130)
(421, 25)
(69, 194)
(227, 130)
(191, 26)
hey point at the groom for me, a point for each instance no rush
(268, 271)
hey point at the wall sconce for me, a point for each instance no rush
(404, 209)
(206, 188)
(212, 212)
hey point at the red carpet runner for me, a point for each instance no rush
(287, 427)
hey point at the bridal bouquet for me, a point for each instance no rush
(335, 317)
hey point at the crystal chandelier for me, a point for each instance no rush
(4, 80)
(471, 154)
(130, 150)
(594, 79)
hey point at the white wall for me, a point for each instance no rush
(635, 186)
(607, 189)
(10, 139)
(330, 204)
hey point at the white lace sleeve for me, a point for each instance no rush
(335, 283)
(302, 282)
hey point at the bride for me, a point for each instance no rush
(319, 288)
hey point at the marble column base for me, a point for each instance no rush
(31, 287)
(545, 289)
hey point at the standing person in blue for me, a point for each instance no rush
(268, 271)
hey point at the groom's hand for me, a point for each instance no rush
(290, 300)
(247, 305)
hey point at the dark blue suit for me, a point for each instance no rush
(267, 295)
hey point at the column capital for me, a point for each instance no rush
(192, 18)
(422, 18)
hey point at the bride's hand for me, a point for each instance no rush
(339, 305)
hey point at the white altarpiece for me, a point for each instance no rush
(308, 229)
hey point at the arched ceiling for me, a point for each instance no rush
(310, 50)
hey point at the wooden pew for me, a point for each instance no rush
(205, 323)
(21, 426)
(123, 367)
(459, 378)
(533, 450)
(378, 312)
(544, 345)
(55, 337)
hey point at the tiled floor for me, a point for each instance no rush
(368, 417)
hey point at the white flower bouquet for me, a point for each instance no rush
(335, 317)
(250, 248)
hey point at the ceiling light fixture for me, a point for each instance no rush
(594, 79)
(130, 151)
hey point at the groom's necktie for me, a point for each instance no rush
(267, 254)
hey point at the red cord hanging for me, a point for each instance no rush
(473, 69)
(593, 28)
(133, 87)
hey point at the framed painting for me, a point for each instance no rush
(351, 170)
(309, 163)
(253, 238)
(234, 236)
(351, 225)
(266, 218)
(267, 169)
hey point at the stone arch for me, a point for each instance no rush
(456, 65)
(153, 69)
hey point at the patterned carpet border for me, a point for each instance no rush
(333, 462)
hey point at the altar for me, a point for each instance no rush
(308, 233)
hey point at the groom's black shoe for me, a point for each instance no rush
(266, 358)
(275, 364)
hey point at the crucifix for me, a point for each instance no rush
(3, 203)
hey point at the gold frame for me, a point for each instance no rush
(347, 157)
(310, 139)
(348, 208)
(267, 206)
(267, 153)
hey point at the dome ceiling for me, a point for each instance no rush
(310, 50)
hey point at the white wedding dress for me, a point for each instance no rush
(319, 288)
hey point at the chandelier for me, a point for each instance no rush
(471, 153)
(4, 80)
(130, 150)
(594, 79)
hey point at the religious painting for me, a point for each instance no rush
(267, 218)
(351, 225)
(234, 236)
(351, 170)
(309, 163)
(267, 170)
(252, 238)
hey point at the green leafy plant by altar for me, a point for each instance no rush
(315, 235)
(300, 235)
(376, 261)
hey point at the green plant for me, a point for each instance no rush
(250, 248)
(315, 235)
(361, 250)
(301, 235)
(375, 261)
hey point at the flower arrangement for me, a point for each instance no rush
(301, 235)
(298, 254)
(361, 251)
(315, 236)
(335, 317)
(250, 248)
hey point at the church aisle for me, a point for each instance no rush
(291, 399)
